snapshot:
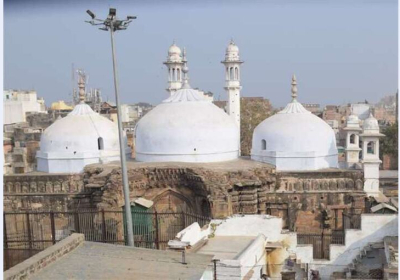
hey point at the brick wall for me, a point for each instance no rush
(39, 261)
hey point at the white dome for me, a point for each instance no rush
(371, 124)
(186, 128)
(174, 54)
(232, 52)
(232, 48)
(295, 139)
(81, 138)
(174, 49)
(353, 122)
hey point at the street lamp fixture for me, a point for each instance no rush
(112, 24)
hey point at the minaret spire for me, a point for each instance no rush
(81, 85)
(294, 88)
(185, 70)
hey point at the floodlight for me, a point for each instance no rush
(113, 12)
(92, 15)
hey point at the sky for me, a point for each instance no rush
(341, 51)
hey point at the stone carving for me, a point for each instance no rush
(17, 186)
(42, 187)
(33, 187)
(25, 187)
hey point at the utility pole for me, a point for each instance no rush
(113, 24)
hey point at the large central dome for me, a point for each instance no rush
(295, 139)
(186, 128)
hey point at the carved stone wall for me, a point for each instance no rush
(43, 192)
(300, 198)
(308, 194)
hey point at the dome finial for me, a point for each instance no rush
(370, 112)
(185, 70)
(294, 88)
(81, 85)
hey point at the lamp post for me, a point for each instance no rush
(113, 24)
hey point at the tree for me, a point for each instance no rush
(253, 111)
(389, 143)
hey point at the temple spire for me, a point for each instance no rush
(294, 89)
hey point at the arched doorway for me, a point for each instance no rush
(171, 201)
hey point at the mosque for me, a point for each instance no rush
(186, 127)
(188, 158)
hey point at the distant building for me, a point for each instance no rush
(361, 110)
(131, 112)
(108, 109)
(313, 108)
(20, 146)
(385, 115)
(331, 112)
(18, 102)
(60, 106)
(7, 149)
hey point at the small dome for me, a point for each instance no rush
(371, 124)
(295, 139)
(186, 128)
(232, 52)
(232, 48)
(353, 122)
(174, 50)
(174, 54)
(352, 119)
(81, 138)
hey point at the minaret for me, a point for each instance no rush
(232, 64)
(353, 149)
(174, 64)
(370, 155)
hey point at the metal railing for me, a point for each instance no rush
(321, 241)
(27, 233)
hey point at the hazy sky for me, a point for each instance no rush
(340, 50)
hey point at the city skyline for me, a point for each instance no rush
(335, 61)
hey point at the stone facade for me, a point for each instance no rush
(300, 198)
(44, 192)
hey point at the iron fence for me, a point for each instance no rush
(321, 242)
(27, 233)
